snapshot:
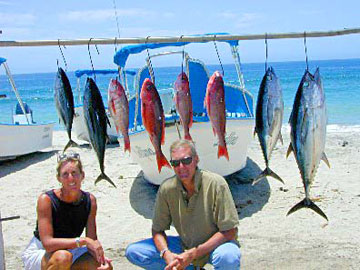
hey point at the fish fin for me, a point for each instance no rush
(222, 151)
(281, 139)
(105, 177)
(162, 161)
(69, 144)
(264, 173)
(325, 159)
(127, 144)
(307, 203)
(254, 133)
(163, 132)
(108, 121)
(113, 107)
(290, 149)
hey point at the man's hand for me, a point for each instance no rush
(181, 261)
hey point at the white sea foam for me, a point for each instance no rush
(333, 128)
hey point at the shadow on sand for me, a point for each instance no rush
(248, 199)
(22, 162)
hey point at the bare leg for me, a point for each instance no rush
(58, 260)
(86, 261)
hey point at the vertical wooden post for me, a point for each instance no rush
(2, 252)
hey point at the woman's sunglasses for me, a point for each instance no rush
(184, 161)
(66, 156)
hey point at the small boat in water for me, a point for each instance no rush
(239, 115)
(22, 136)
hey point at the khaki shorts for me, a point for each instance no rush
(35, 251)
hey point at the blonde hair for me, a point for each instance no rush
(77, 162)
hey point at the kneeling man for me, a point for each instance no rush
(200, 206)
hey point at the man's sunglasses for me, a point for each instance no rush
(184, 161)
(67, 156)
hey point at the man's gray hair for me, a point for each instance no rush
(181, 143)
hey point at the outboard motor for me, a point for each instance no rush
(19, 118)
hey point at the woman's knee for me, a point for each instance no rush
(60, 258)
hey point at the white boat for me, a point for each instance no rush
(239, 122)
(22, 136)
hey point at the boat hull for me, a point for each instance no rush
(17, 140)
(80, 129)
(238, 137)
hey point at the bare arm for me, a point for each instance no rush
(92, 243)
(160, 240)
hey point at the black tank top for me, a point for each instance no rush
(68, 219)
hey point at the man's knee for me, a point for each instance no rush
(132, 253)
(227, 260)
(61, 259)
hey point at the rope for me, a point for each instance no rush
(62, 54)
(152, 75)
(117, 21)
(266, 52)
(306, 54)
(217, 52)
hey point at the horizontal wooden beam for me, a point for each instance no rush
(200, 38)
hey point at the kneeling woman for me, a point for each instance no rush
(62, 215)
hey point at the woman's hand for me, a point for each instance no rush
(106, 266)
(95, 248)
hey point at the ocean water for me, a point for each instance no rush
(341, 81)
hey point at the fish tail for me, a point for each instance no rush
(127, 144)
(264, 173)
(161, 161)
(188, 137)
(307, 203)
(69, 144)
(105, 177)
(222, 151)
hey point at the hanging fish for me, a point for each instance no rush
(64, 102)
(308, 131)
(153, 118)
(119, 110)
(215, 106)
(96, 122)
(269, 116)
(184, 104)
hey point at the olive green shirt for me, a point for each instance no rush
(209, 210)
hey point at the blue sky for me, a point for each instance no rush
(70, 19)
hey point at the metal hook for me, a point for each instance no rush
(217, 52)
(92, 65)
(266, 52)
(306, 54)
(63, 57)
(149, 61)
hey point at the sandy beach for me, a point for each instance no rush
(269, 239)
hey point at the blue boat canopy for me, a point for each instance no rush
(2, 60)
(122, 55)
(81, 72)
